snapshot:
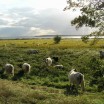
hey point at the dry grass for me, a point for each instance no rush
(49, 43)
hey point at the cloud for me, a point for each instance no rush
(39, 4)
(2, 22)
(39, 31)
(32, 22)
(12, 31)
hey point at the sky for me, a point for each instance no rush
(37, 17)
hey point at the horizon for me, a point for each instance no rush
(41, 36)
(48, 37)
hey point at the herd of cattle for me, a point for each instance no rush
(9, 68)
(75, 78)
(26, 67)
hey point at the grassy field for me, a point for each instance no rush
(49, 43)
(48, 85)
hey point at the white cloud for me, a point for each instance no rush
(37, 4)
(38, 31)
(31, 22)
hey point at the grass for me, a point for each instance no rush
(49, 43)
(47, 85)
(19, 93)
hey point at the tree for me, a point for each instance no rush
(57, 39)
(92, 16)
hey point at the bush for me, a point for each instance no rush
(101, 84)
(57, 39)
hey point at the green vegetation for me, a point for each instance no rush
(57, 39)
(48, 85)
(92, 16)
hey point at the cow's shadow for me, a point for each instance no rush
(18, 75)
(71, 90)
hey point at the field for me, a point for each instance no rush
(48, 85)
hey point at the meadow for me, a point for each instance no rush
(46, 84)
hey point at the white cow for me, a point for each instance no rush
(26, 68)
(76, 78)
(9, 69)
(49, 61)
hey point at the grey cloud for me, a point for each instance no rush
(54, 19)
(2, 22)
(49, 19)
(28, 12)
(46, 19)
(12, 31)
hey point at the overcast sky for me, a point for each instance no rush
(37, 17)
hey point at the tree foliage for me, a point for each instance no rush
(57, 39)
(92, 15)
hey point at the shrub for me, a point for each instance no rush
(101, 84)
(57, 39)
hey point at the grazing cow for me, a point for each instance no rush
(9, 69)
(76, 78)
(101, 54)
(26, 68)
(32, 51)
(49, 61)
(59, 66)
